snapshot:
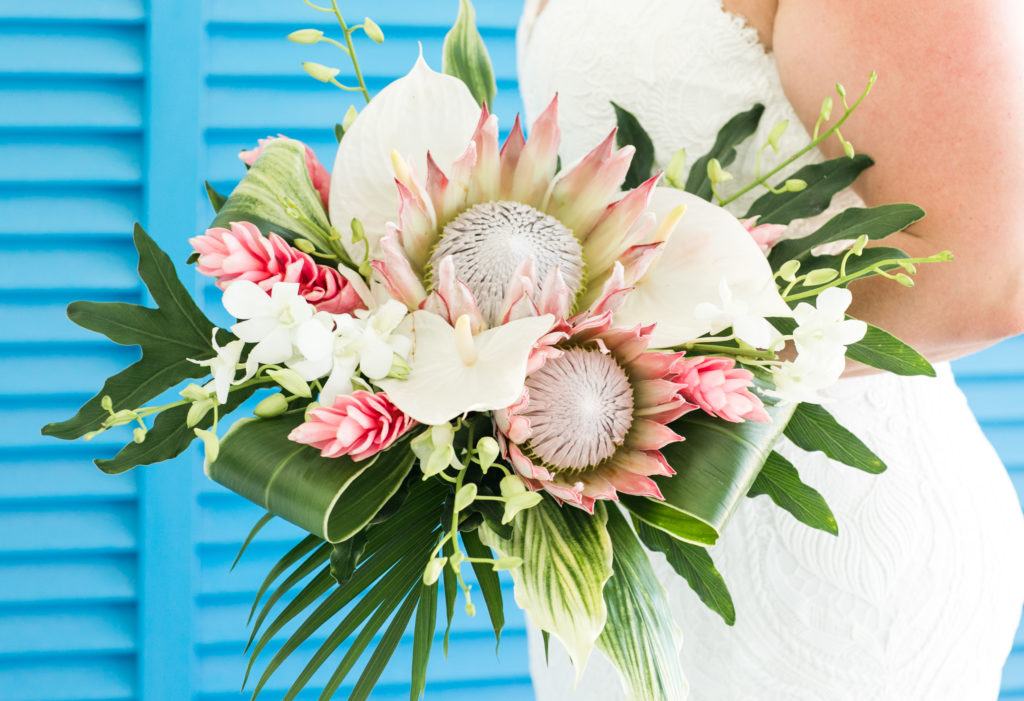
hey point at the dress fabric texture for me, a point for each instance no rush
(919, 596)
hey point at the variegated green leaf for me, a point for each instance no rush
(465, 56)
(277, 195)
(641, 638)
(567, 558)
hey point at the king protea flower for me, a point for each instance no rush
(499, 234)
(593, 416)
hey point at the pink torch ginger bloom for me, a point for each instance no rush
(319, 176)
(243, 253)
(764, 235)
(359, 425)
(594, 414)
(718, 387)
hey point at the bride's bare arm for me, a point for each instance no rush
(945, 124)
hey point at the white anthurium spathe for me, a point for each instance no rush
(452, 372)
(423, 111)
(707, 246)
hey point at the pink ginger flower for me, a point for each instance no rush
(765, 235)
(359, 425)
(319, 176)
(243, 253)
(718, 387)
(594, 413)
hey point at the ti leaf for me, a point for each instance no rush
(876, 222)
(333, 498)
(277, 195)
(168, 336)
(880, 349)
(465, 56)
(567, 558)
(813, 428)
(823, 181)
(780, 480)
(715, 467)
(640, 638)
(630, 133)
(693, 563)
(735, 131)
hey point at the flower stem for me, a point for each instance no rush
(729, 350)
(875, 269)
(351, 51)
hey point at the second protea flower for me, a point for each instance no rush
(593, 416)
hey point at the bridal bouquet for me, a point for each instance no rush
(470, 355)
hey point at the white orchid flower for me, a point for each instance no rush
(822, 328)
(222, 366)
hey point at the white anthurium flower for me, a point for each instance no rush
(222, 366)
(706, 246)
(452, 372)
(749, 328)
(274, 321)
(822, 327)
(423, 111)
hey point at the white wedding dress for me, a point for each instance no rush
(919, 596)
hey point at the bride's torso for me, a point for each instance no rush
(919, 595)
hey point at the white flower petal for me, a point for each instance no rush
(851, 331)
(420, 112)
(707, 246)
(314, 340)
(376, 358)
(275, 348)
(245, 299)
(440, 386)
(755, 331)
(834, 302)
(254, 330)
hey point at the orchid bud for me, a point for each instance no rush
(319, 71)
(486, 452)
(198, 410)
(907, 266)
(373, 31)
(826, 109)
(716, 173)
(519, 502)
(306, 414)
(210, 442)
(107, 403)
(350, 116)
(442, 434)
(399, 368)
(776, 133)
(471, 609)
(291, 381)
(304, 245)
(439, 459)
(675, 172)
(841, 91)
(465, 496)
(788, 270)
(848, 149)
(138, 435)
(904, 280)
(455, 560)
(272, 406)
(508, 562)
(795, 185)
(858, 246)
(512, 485)
(433, 570)
(821, 276)
(194, 392)
(305, 36)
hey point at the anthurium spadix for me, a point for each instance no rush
(707, 245)
(452, 372)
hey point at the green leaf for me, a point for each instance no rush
(735, 131)
(339, 132)
(308, 566)
(380, 657)
(264, 520)
(333, 498)
(880, 349)
(813, 428)
(567, 558)
(274, 190)
(423, 639)
(465, 56)
(299, 551)
(346, 555)
(823, 181)
(876, 222)
(693, 563)
(780, 480)
(217, 200)
(169, 436)
(715, 466)
(487, 578)
(640, 638)
(630, 133)
(451, 592)
(168, 336)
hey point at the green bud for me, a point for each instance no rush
(675, 173)
(139, 435)
(319, 71)
(486, 452)
(399, 368)
(795, 185)
(788, 270)
(198, 410)
(716, 173)
(90, 435)
(519, 502)
(350, 116)
(841, 91)
(826, 109)
(119, 418)
(465, 496)
(309, 409)
(422, 446)
(907, 266)
(848, 149)
(439, 459)
(776, 133)
(291, 381)
(107, 403)
(304, 245)
(512, 485)
(442, 434)
(272, 406)
(373, 31)
(871, 79)
(210, 442)
(821, 276)
(904, 280)
(194, 392)
(305, 36)
(358, 232)
(471, 609)
(455, 560)
(858, 246)
(433, 570)
(507, 563)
